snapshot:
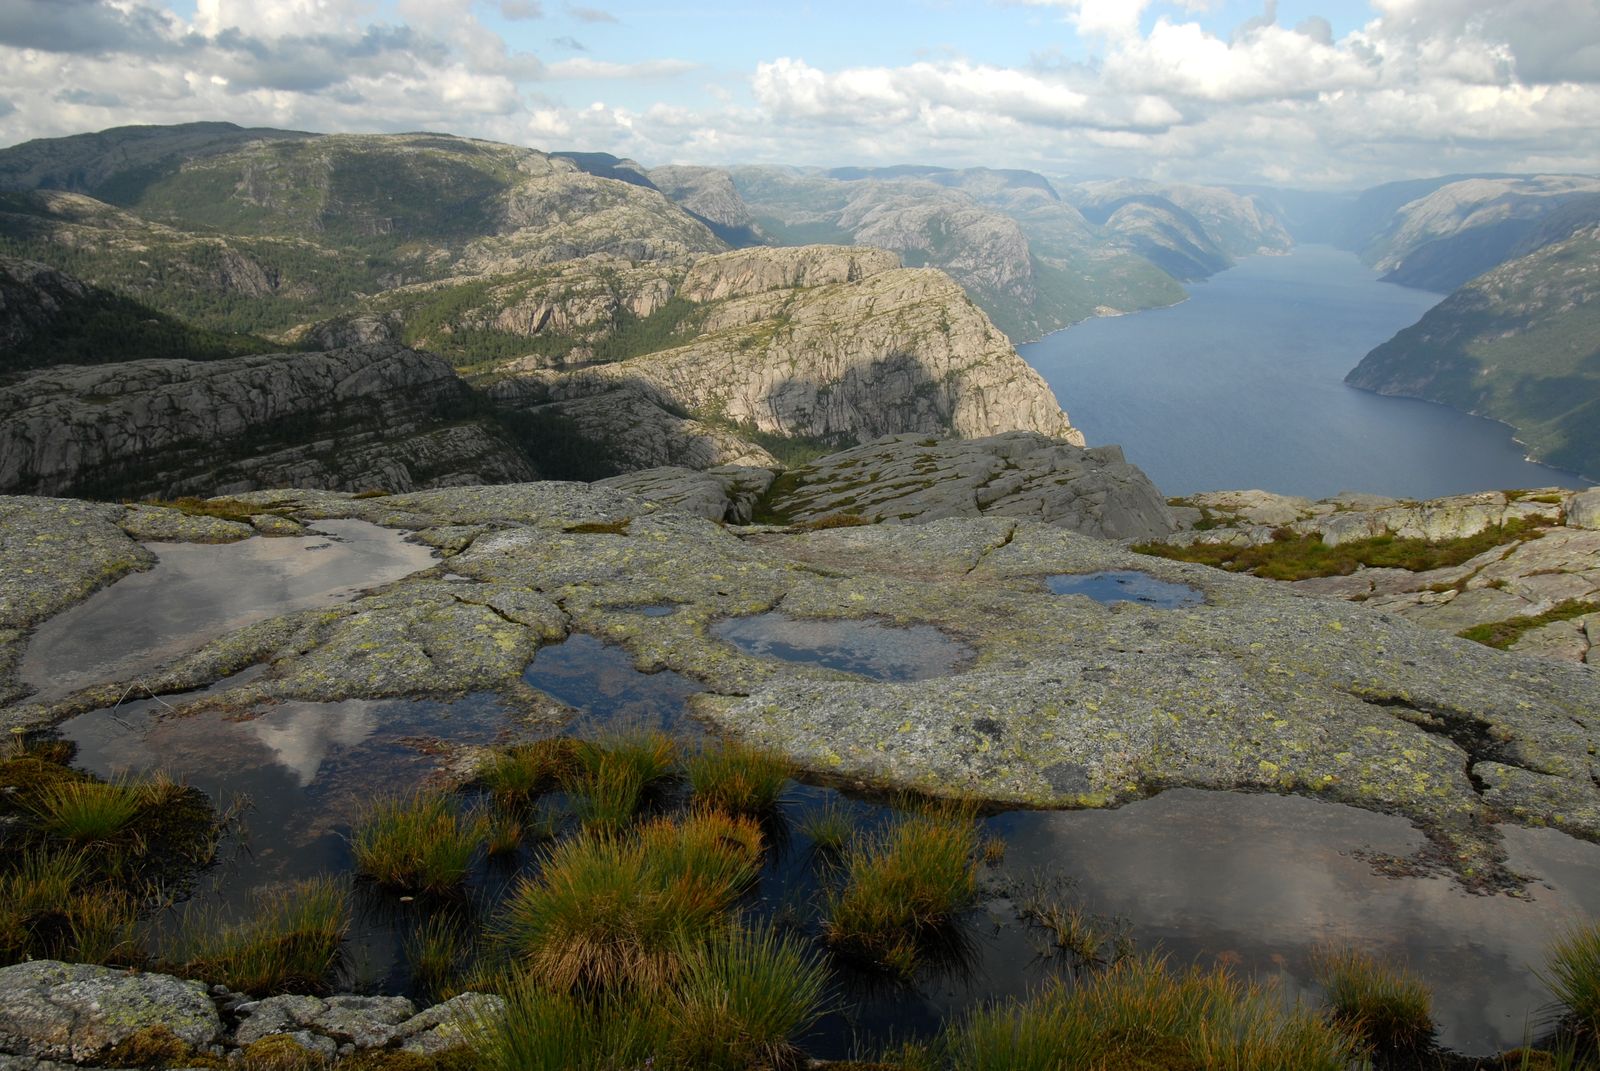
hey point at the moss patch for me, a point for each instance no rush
(1504, 634)
(1292, 556)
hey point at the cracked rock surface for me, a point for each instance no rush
(1066, 702)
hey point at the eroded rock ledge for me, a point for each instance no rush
(1066, 702)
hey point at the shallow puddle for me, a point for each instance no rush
(866, 648)
(307, 771)
(1259, 881)
(1126, 585)
(599, 681)
(197, 592)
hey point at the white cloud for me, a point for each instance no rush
(1424, 86)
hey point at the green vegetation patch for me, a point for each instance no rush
(1389, 1010)
(1504, 634)
(1292, 556)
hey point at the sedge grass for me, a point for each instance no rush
(436, 952)
(828, 828)
(1388, 1010)
(901, 884)
(87, 812)
(608, 912)
(738, 778)
(421, 844)
(290, 944)
(1572, 974)
(741, 1000)
(517, 776)
(1141, 1016)
(610, 777)
(551, 1030)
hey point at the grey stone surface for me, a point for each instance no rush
(67, 1011)
(1260, 687)
(364, 1022)
(1019, 474)
(441, 1027)
(725, 493)
(363, 417)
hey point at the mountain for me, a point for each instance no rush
(708, 194)
(1451, 231)
(1519, 343)
(1207, 224)
(1028, 259)
(260, 231)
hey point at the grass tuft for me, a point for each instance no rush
(437, 951)
(421, 843)
(1140, 1016)
(517, 776)
(1572, 974)
(901, 884)
(738, 778)
(607, 912)
(87, 812)
(828, 828)
(742, 999)
(290, 944)
(610, 777)
(1386, 1010)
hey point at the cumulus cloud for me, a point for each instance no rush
(1145, 87)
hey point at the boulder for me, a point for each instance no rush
(77, 1012)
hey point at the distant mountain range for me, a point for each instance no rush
(547, 281)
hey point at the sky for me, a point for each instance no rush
(1331, 94)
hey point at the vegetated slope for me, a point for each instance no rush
(1461, 229)
(1520, 343)
(262, 230)
(49, 318)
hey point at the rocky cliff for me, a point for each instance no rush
(857, 350)
(377, 416)
(1519, 344)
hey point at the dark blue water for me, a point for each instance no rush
(1243, 386)
(1125, 585)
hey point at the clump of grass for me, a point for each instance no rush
(518, 775)
(1503, 634)
(1293, 556)
(503, 836)
(901, 884)
(290, 944)
(50, 908)
(552, 1030)
(610, 777)
(1572, 974)
(436, 951)
(738, 778)
(741, 1000)
(280, 1052)
(1387, 1010)
(1139, 1015)
(87, 812)
(422, 843)
(607, 912)
(828, 829)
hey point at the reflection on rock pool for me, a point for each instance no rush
(197, 591)
(1126, 585)
(867, 648)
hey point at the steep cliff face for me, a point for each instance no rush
(371, 416)
(1520, 343)
(880, 351)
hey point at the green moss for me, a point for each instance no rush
(1505, 634)
(1292, 556)
(617, 527)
